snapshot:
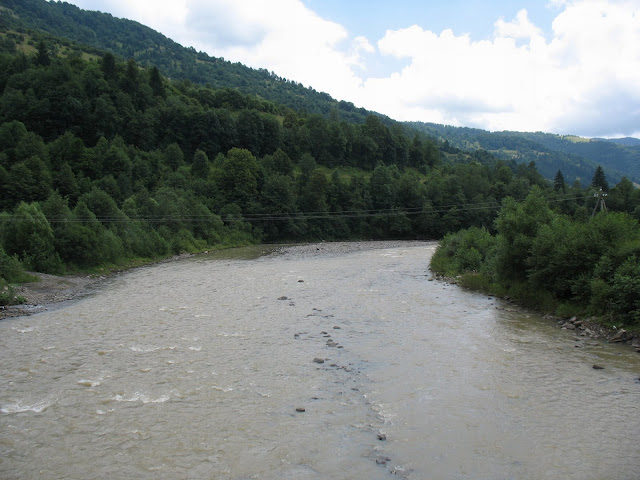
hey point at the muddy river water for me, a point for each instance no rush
(200, 369)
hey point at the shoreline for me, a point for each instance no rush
(51, 291)
(586, 327)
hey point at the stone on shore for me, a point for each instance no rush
(620, 336)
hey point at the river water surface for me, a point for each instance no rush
(196, 369)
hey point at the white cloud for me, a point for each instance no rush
(585, 79)
(520, 27)
(294, 42)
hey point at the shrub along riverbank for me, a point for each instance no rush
(550, 261)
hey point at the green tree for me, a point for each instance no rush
(278, 163)
(517, 225)
(155, 82)
(200, 165)
(173, 157)
(279, 200)
(108, 65)
(383, 186)
(307, 166)
(238, 178)
(558, 182)
(250, 131)
(621, 197)
(29, 181)
(600, 180)
(42, 55)
(28, 234)
(625, 300)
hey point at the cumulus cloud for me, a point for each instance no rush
(294, 42)
(520, 27)
(584, 79)
(581, 77)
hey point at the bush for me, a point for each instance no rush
(11, 270)
(8, 294)
(464, 251)
(625, 296)
(27, 233)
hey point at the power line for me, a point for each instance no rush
(291, 216)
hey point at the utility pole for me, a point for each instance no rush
(600, 196)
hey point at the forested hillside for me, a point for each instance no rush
(576, 157)
(128, 39)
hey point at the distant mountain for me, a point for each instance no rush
(628, 141)
(577, 157)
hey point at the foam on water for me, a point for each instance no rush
(89, 383)
(144, 348)
(142, 397)
(20, 407)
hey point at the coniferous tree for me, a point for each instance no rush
(600, 179)
(108, 65)
(558, 182)
(42, 55)
(155, 82)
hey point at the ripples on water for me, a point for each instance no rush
(195, 369)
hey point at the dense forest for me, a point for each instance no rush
(98, 32)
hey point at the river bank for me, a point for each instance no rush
(587, 327)
(50, 290)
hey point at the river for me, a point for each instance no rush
(200, 369)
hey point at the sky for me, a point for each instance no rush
(559, 66)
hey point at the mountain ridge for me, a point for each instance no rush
(130, 39)
(577, 157)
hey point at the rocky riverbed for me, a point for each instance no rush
(48, 291)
